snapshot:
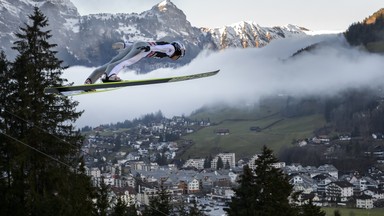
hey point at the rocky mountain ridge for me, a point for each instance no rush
(86, 40)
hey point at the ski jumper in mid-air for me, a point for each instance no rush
(131, 53)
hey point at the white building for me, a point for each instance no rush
(339, 191)
(93, 172)
(197, 163)
(364, 201)
(366, 182)
(302, 183)
(141, 165)
(194, 186)
(375, 193)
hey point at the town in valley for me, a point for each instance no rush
(134, 162)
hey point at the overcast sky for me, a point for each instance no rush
(312, 14)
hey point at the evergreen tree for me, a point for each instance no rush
(185, 209)
(243, 203)
(194, 210)
(181, 208)
(272, 186)
(120, 209)
(132, 211)
(161, 158)
(207, 162)
(4, 159)
(138, 183)
(160, 204)
(40, 148)
(82, 192)
(4, 82)
(264, 192)
(220, 163)
(227, 165)
(368, 31)
(102, 203)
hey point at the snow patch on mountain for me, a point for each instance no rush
(250, 34)
(164, 4)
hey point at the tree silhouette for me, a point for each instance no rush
(368, 31)
(40, 148)
(220, 163)
(160, 204)
(266, 191)
(227, 165)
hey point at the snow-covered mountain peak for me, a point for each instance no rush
(167, 8)
(294, 28)
(164, 5)
(41, 3)
(250, 34)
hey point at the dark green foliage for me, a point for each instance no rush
(4, 159)
(243, 203)
(220, 164)
(117, 142)
(194, 210)
(371, 30)
(336, 213)
(264, 192)
(102, 203)
(207, 162)
(355, 111)
(185, 209)
(272, 186)
(120, 208)
(132, 211)
(139, 181)
(40, 150)
(161, 159)
(159, 204)
(150, 118)
(310, 155)
(227, 165)
(181, 208)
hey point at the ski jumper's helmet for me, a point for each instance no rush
(179, 50)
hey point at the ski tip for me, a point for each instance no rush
(51, 90)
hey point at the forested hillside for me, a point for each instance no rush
(369, 33)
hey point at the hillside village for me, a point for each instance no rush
(136, 161)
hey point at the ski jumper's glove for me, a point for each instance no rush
(144, 48)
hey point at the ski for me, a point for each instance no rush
(82, 89)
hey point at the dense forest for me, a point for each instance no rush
(371, 30)
(356, 113)
(41, 162)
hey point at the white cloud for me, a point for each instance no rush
(245, 76)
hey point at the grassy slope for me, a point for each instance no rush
(352, 211)
(376, 47)
(277, 133)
